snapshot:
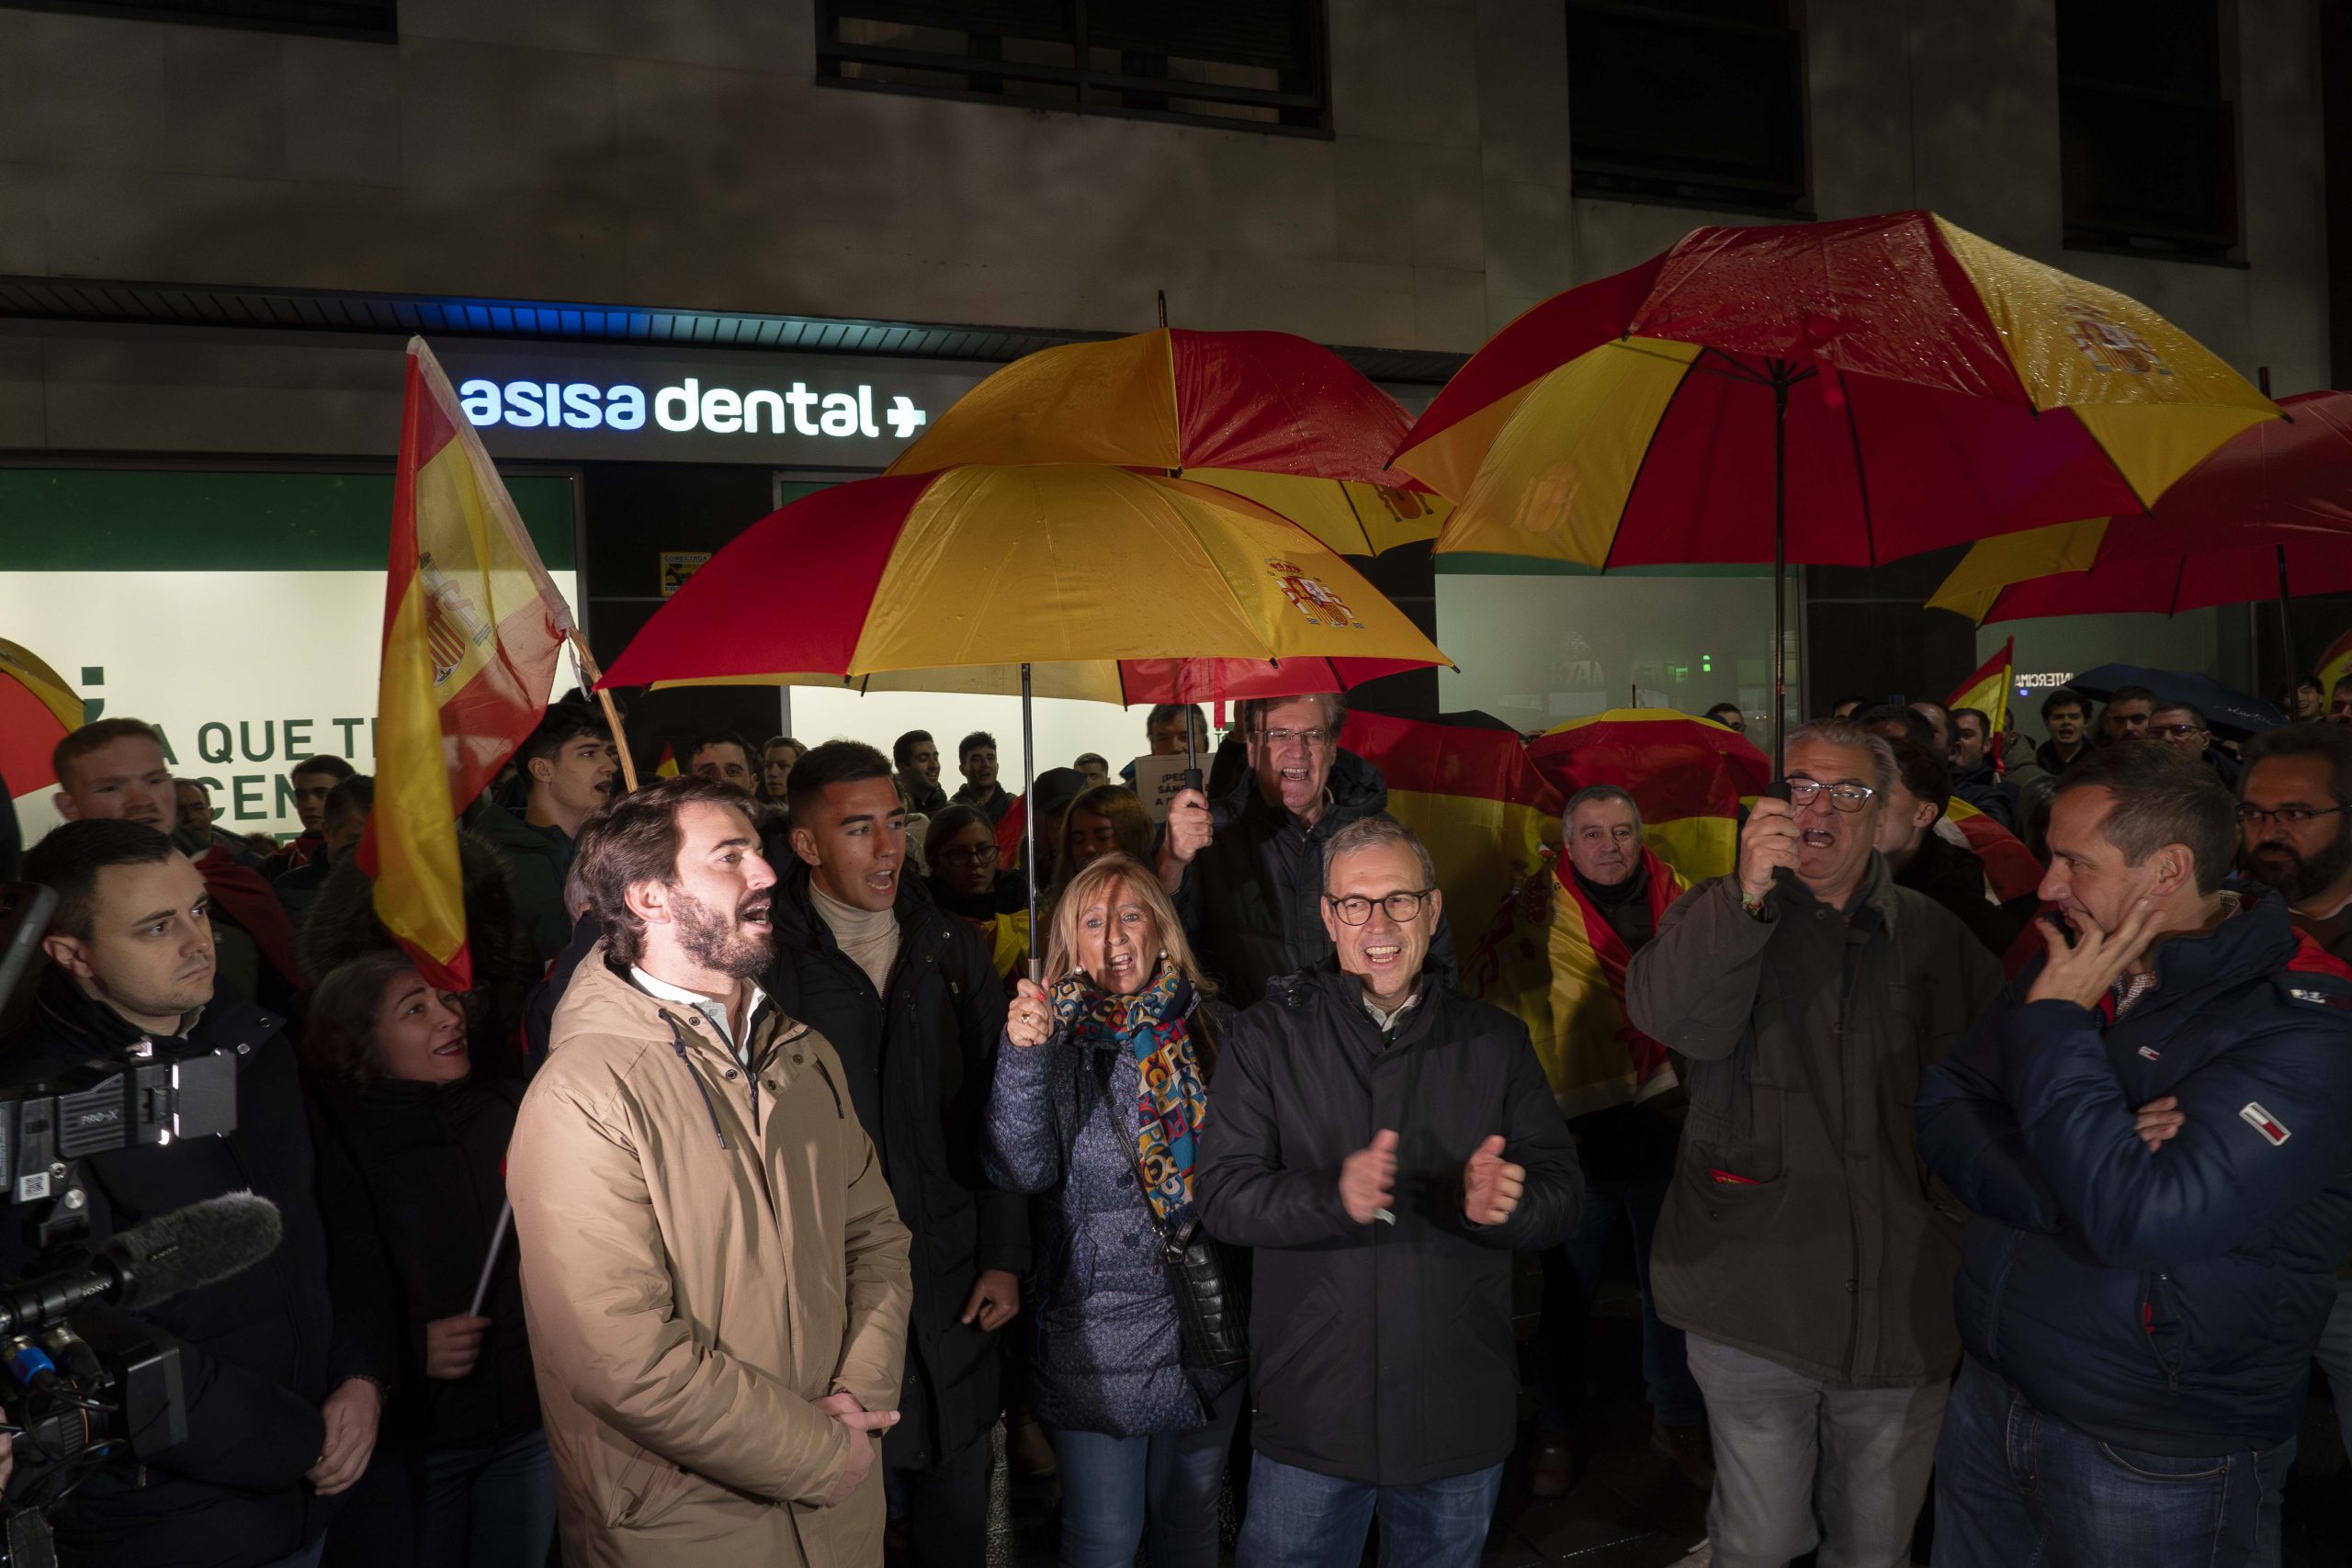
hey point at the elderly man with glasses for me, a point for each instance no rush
(1802, 1253)
(1247, 870)
(1385, 1144)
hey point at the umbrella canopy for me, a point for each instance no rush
(987, 568)
(1173, 400)
(2269, 512)
(2230, 712)
(2163, 585)
(1896, 383)
(37, 709)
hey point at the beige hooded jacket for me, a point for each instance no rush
(706, 1251)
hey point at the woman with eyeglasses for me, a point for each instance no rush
(1101, 1089)
(967, 878)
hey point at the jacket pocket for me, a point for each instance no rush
(2161, 1323)
(646, 1489)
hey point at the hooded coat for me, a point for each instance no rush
(707, 1249)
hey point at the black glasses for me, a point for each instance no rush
(1844, 797)
(957, 854)
(2286, 816)
(1402, 906)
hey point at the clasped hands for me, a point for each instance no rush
(1491, 1185)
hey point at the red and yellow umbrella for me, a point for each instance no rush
(2268, 514)
(1276, 418)
(37, 709)
(953, 581)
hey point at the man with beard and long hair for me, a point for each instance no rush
(714, 1275)
(2293, 792)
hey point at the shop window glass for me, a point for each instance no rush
(2147, 126)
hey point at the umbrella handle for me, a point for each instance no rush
(1029, 820)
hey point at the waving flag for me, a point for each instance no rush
(1689, 775)
(472, 629)
(1987, 691)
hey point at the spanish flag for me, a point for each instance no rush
(1987, 691)
(472, 628)
(2335, 663)
(1464, 785)
(1594, 1057)
(2009, 867)
(1689, 775)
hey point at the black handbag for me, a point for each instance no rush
(1212, 1301)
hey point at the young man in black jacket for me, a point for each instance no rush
(1385, 1144)
(908, 995)
(284, 1364)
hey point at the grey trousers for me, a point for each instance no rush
(1800, 1464)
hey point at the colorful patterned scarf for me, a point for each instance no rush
(1149, 1025)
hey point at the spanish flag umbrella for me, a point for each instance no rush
(1005, 572)
(37, 709)
(2269, 515)
(1267, 415)
(1836, 393)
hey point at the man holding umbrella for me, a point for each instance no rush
(1247, 874)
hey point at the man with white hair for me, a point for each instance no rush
(1808, 1264)
(1385, 1144)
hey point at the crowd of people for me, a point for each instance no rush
(1992, 1137)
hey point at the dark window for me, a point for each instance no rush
(334, 19)
(1256, 64)
(2147, 126)
(1688, 100)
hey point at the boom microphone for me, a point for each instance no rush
(167, 1256)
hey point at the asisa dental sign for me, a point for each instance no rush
(689, 405)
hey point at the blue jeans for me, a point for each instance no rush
(489, 1505)
(2016, 1487)
(1299, 1518)
(1674, 1394)
(1115, 1488)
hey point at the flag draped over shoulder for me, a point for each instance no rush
(1689, 775)
(1593, 1057)
(472, 629)
(1987, 691)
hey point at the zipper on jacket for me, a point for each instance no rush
(678, 1044)
(826, 1073)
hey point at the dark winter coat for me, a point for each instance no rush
(1800, 1226)
(1982, 787)
(1953, 877)
(537, 860)
(430, 1162)
(918, 1060)
(2168, 1301)
(1108, 1351)
(1382, 1352)
(342, 926)
(259, 1350)
(1252, 901)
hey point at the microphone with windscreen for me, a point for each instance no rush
(165, 1256)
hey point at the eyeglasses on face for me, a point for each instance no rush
(1844, 797)
(2177, 731)
(978, 855)
(1311, 738)
(1403, 907)
(2286, 816)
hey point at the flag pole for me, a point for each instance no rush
(612, 715)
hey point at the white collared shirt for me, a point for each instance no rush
(1387, 1021)
(709, 1007)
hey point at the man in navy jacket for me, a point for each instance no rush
(2153, 1127)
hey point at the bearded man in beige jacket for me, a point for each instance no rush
(715, 1277)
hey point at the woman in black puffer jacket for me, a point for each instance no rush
(1102, 1075)
(393, 1084)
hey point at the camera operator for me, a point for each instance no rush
(283, 1391)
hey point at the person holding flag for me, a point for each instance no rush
(1980, 718)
